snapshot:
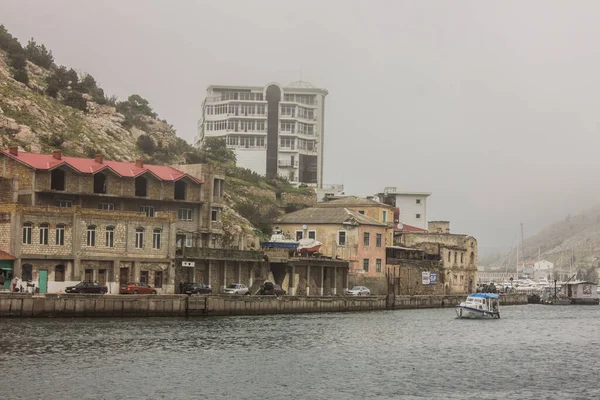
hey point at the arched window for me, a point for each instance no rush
(472, 259)
(99, 183)
(139, 238)
(91, 235)
(141, 184)
(60, 234)
(57, 179)
(27, 272)
(59, 273)
(156, 238)
(180, 189)
(44, 233)
(27, 229)
(110, 236)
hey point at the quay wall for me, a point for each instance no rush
(76, 305)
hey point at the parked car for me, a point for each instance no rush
(196, 288)
(137, 288)
(359, 291)
(87, 287)
(271, 289)
(237, 288)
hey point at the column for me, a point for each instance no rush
(308, 280)
(345, 279)
(223, 266)
(239, 272)
(322, 280)
(334, 283)
(251, 268)
(292, 270)
(208, 273)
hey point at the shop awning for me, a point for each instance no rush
(5, 256)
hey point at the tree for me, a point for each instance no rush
(216, 149)
(61, 79)
(75, 100)
(136, 105)
(39, 54)
(21, 76)
(146, 144)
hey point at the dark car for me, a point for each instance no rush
(271, 289)
(87, 287)
(196, 288)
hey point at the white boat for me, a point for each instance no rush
(479, 306)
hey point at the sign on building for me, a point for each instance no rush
(433, 278)
(425, 277)
(188, 264)
(429, 278)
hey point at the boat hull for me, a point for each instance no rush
(473, 313)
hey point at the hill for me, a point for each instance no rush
(44, 107)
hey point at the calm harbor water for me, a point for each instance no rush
(533, 352)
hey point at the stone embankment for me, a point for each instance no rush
(27, 305)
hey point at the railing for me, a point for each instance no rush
(207, 253)
(285, 163)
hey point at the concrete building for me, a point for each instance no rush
(344, 234)
(329, 190)
(412, 205)
(274, 129)
(66, 219)
(458, 254)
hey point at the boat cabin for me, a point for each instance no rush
(483, 301)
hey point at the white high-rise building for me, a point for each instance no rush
(411, 205)
(274, 130)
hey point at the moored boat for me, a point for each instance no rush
(479, 306)
(309, 245)
(279, 241)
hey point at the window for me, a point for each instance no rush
(148, 210)
(418, 201)
(461, 257)
(158, 279)
(184, 214)
(156, 238)
(180, 189)
(139, 238)
(312, 235)
(188, 241)
(378, 240)
(299, 235)
(110, 236)
(64, 203)
(27, 228)
(144, 277)
(27, 272)
(378, 265)
(59, 273)
(384, 216)
(141, 186)
(44, 233)
(106, 206)
(367, 238)
(366, 264)
(449, 255)
(99, 183)
(362, 212)
(57, 179)
(418, 216)
(341, 238)
(214, 214)
(91, 235)
(60, 235)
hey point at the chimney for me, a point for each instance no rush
(139, 163)
(57, 154)
(14, 150)
(98, 158)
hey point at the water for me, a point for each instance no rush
(533, 352)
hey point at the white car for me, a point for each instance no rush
(237, 288)
(359, 291)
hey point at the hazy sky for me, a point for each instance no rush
(492, 106)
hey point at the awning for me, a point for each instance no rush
(6, 268)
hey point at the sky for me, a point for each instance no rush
(491, 106)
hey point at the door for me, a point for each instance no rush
(123, 276)
(102, 277)
(43, 281)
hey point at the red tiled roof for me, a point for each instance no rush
(90, 166)
(408, 228)
(6, 256)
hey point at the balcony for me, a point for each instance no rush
(206, 253)
(288, 164)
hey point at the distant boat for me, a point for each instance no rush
(309, 245)
(278, 241)
(479, 306)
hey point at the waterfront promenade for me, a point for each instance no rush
(77, 305)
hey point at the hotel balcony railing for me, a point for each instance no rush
(286, 163)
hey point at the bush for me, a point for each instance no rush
(75, 100)
(21, 76)
(60, 81)
(146, 144)
(39, 54)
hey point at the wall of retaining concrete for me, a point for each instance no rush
(73, 305)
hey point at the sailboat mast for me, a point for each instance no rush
(522, 247)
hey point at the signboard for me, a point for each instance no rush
(433, 278)
(188, 264)
(425, 277)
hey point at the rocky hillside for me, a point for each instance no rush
(575, 238)
(44, 107)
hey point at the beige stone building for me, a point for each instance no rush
(457, 254)
(68, 219)
(345, 234)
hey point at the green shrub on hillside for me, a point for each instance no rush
(146, 144)
(39, 54)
